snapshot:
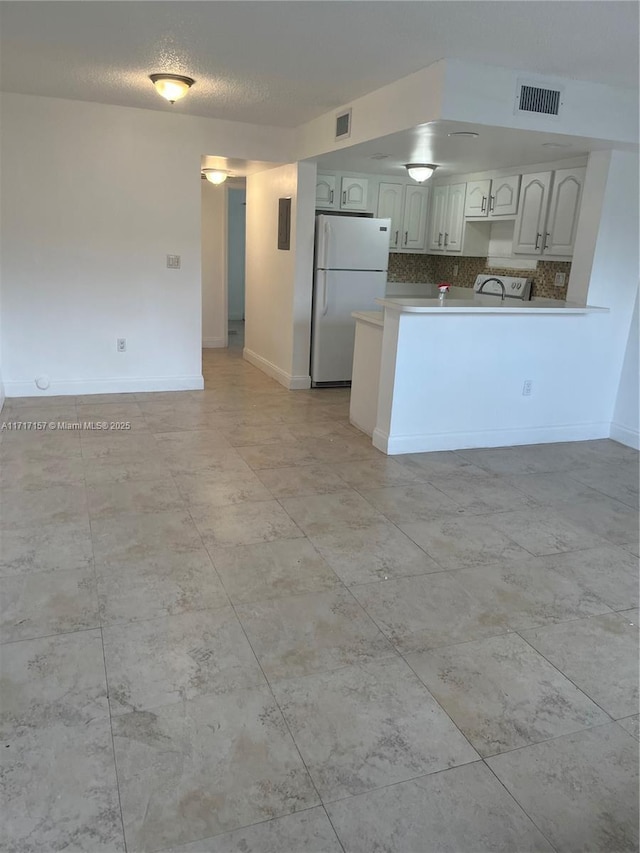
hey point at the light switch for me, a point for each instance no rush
(173, 262)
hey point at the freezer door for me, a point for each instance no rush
(335, 296)
(351, 243)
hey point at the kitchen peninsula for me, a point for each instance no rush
(431, 375)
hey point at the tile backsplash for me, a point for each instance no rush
(436, 268)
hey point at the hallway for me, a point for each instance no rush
(236, 626)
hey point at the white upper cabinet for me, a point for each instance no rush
(454, 221)
(503, 199)
(390, 198)
(477, 203)
(326, 192)
(353, 193)
(528, 237)
(497, 197)
(560, 232)
(435, 241)
(414, 219)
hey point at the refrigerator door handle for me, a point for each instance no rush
(325, 295)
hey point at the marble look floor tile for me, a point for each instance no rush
(214, 488)
(458, 543)
(481, 493)
(97, 444)
(362, 727)
(409, 504)
(441, 463)
(39, 444)
(309, 831)
(311, 633)
(172, 792)
(42, 603)
(610, 573)
(337, 447)
(524, 459)
(317, 514)
(374, 553)
(543, 531)
(194, 441)
(60, 790)
(399, 819)
(223, 461)
(111, 411)
(301, 480)
(50, 505)
(272, 570)
(244, 436)
(529, 595)
(280, 455)
(124, 468)
(134, 538)
(631, 725)
(244, 524)
(22, 472)
(47, 547)
(173, 658)
(375, 473)
(617, 480)
(53, 680)
(552, 488)
(600, 656)
(428, 611)
(581, 789)
(503, 695)
(102, 399)
(604, 517)
(139, 496)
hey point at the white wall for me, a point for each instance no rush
(472, 396)
(625, 427)
(93, 198)
(278, 282)
(214, 261)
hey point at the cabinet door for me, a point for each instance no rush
(437, 219)
(414, 219)
(326, 191)
(528, 237)
(354, 194)
(390, 207)
(503, 200)
(560, 233)
(454, 222)
(477, 203)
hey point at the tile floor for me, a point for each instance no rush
(238, 627)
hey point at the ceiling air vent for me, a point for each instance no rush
(343, 125)
(542, 100)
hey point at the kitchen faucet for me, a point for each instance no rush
(482, 286)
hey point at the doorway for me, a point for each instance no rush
(236, 226)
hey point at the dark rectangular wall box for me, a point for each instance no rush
(284, 223)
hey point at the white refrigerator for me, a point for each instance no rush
(351, 260)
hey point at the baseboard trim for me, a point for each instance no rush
(394, 445)
(111, 385)
(293, 383)
(213, 343)
(625, 435)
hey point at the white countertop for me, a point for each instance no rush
(486, 305)
(374, 318)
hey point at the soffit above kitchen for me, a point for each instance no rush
(284, 63)
(446, 144)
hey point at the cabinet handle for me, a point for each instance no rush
(492, 202)
(484, 204)
(546, 240)
(538, 236)
(330, 196)
(396, 240)
(406, 237)
(446, 239)
(440, 238)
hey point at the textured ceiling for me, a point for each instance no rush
(282, 63)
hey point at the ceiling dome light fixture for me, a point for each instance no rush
(171, 86)
(420, 172)
(215, 176)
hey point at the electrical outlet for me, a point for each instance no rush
(526, 387)
(560, 279)
(455, 271)
(122, 344)
(173, 262)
